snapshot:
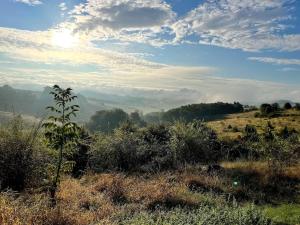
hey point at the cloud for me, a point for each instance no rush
(122, 14)
(36, 47)
(30, 2)
(126, 20)
(179, 90)
(276, 61)
(63, 6)
(115, 71)
(289, 69)
(250, 25)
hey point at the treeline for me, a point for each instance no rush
(274, 109)
(108, 120)
(202, 111)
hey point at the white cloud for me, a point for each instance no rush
(251, 25)
(179, 90)
(276, 61)
(116, 71)
(123, 14)
(289, 69)
(63, 6)
(35, 46)
(30, 2)
(126, 20)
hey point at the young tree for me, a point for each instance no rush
(59, 128)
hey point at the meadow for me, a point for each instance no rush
(232, 125)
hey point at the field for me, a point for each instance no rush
(233, 125)
(165, 198)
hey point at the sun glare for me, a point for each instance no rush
(64, 39)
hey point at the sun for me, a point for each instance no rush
(64, 39)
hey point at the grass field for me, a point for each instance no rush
(237, 122)
(184, 196)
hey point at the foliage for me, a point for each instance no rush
(130, 148)
(80, 155)
(135, 118)
(250, 133)
(269, 109)
(107, 120)
(194, 143)
(60, 131)
(287, 105)
(156, 147)
(21, 162)
(201, 111)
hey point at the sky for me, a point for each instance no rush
(206, 50)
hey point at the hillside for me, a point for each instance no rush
(232, 125)
(8, 116)
(33, 103)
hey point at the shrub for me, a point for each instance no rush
(257, 114)
(132, 149)
(154, 148)
(269, 110)
(250, 133)
(80, 156)
(21, 164)
(194, 143)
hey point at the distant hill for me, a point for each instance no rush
(27, 119)
(34, 103)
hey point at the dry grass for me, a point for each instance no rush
(107, 198)
(290, 118)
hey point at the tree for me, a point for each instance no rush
(59, 128)
(266, 109)
(136, 119)
(287, 105)
(275, 106)
(107, 120)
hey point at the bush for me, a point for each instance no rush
(195, 143)
(154, 148)
(250, 133)
(80, 155)
(269, 110)
(132, 149)
(21, 163)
